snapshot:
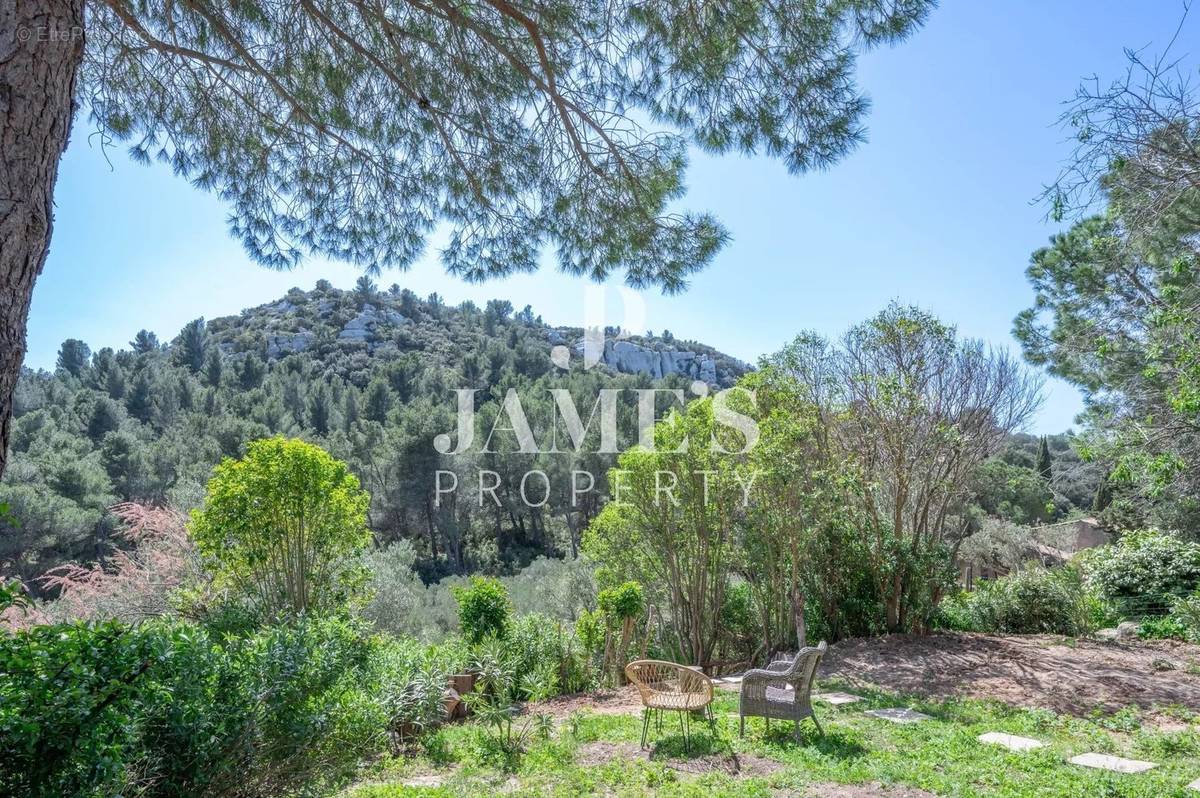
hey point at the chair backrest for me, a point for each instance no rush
(804, 668)
(652, 676)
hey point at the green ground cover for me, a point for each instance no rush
(598, 754)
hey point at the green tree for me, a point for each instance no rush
(378, 401)
(802, 542)
(252, 372)
(1045, 465)
(140, 401)
(621, 606)
(913, 400)
(192, 345)
(144, 342)
(320, 408)
(105, 418)
(1012, 492)
(671, 525)
(365, 289)
(483, 608)
(214, 367)
(511, 123)
(349, 409)
(282, 525)
(73, 356)
(1115, 295)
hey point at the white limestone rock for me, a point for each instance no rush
(1108, 762)
(837, 699)
(629, 357)
(898, 715)
(287, 343)
(1010, 741)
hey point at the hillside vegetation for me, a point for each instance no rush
(370, 375)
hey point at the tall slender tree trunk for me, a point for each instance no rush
(41, 48)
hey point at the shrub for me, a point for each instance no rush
(281, 526)
(1144, 572)
(165, 709)
(412, 682)
(1186, 612)
(589, 629)
(134, 582)
(499, 681)
(1166, 627)
(739, 622)
(557, 588)
(622, 602)
(483, 608)
(551, 654)
(1032, 601)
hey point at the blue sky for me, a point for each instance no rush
(935, 209)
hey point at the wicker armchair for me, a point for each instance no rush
(782, 690)
(667, 686)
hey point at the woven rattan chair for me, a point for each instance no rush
(782, 690)
(666, 686)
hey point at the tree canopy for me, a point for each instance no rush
(1118, 293)
(351, 129)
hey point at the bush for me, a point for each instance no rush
(622, 602)
(551, 654)
(483, 609)
(1166, 627)
(412, 681)
(282, 527)
(1033, 601)
(558, 588)
(1186, 612)
(1144, 572)
(401, 603)
(166, 709)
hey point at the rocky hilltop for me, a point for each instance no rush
(344, 327)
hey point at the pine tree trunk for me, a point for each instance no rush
(41, 48)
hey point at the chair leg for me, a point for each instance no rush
(645, 724)
(818, 724)
(741, 725)
(796, 731)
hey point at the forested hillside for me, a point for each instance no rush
(370, 375)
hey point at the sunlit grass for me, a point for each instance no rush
(941, 755)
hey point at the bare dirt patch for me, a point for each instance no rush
(1076, 677)
(743, 765)
(621, 701)
(875, 790)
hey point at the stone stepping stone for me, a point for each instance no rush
(728, 681)
(898, 715)
(423, 781)
(1010, 741)
(1195, 785)
(1113, 763)
(837, 699)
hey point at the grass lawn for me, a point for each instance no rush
(598, 754)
